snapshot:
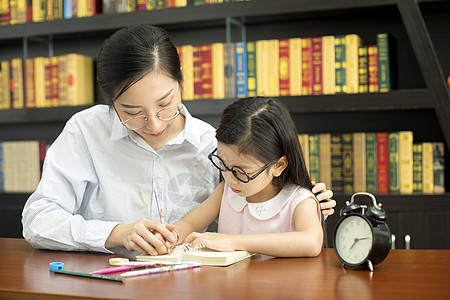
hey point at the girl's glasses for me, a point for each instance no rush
(237, 172)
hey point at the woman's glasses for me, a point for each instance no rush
(237, 172)
(166, 114)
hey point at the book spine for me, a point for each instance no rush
(382, 163)
(394, 162)
(347, 162)
(206, 72)
(187, 65)
(141, 5)
(54, 78)
(427, 168)
(371, 162)
(230, 71)
(359, 161)
(439, 168)
(328, 65)
(406, 162)
(6, 85)
(372, 53)
(62, 80)
(218, 74)
(48, 82)
(384, 44)
(295, 66)
(18, 98)
(352, 44)
(39, 78)
(336, 163)
(325, 158)
(262, 67)
(307, 80)
(251, 69)
(417, 168)
(363, 80)
(5, 14)
(241, 69)
(314, 157)
(151, 4)
(317, 66)
(340, 64)
(273, 68)
(67, 9)
(284, 67)
(30, 99)
(198, 60)
(304, 143)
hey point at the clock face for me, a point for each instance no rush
(353, 240)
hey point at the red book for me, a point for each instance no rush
(29, 11)
(317, 65)
(284, 67)
(207, 72)
(382, 163)
(198, 60)
(372, 65)
(141, 5)
(170, 3)
(307, 81)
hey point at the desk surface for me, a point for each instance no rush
(405, 274)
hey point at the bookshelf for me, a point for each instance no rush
(421, 102)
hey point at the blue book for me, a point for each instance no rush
(241, 69)
(67, 9)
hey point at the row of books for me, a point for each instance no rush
(287, 67)
(375, 162)
(21, 165)
(22, 11)
(64, 80)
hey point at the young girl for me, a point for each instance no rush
(265, 203)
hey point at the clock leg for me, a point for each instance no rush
(370, 265)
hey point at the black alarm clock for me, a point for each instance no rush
(361, 236)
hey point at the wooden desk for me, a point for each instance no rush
(405, 274)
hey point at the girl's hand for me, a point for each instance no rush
(212, 240)
(144, 236)
(324, 197)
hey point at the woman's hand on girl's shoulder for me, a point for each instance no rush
(324, 197)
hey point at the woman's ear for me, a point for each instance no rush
(280, 166)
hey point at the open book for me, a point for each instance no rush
(206, 256)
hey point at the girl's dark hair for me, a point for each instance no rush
(133, 52)
(263, 128)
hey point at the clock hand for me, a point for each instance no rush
(357, 240)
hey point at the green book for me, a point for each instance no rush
(394, 162)
(336, 163)
(314, 163)
(386, 53)
(347, 162)
(417, 168)
(371, 162)
(439, 168)
(339, 63)
(251, 68)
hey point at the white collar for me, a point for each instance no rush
(264, 210)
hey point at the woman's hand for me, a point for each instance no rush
(144, 236)
(211, 240)
(324, 197)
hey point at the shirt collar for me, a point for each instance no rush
(264, 210)
(189, 132)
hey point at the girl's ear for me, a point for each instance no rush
(280, 166)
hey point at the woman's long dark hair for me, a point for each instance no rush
(133, 52)
(263, 128)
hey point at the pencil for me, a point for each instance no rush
(96, 276)
(158, 205)
(162, 269)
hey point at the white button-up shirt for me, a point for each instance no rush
(98, 174)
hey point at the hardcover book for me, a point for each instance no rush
(439, 168)
(347, 162)
(371, 162)
(372, 64)
(427, 168)
(206, 256)
(307, 80)
(417, 168)
(251, 69)
(406, 161)
(336, 163)
(352, 44)
(394, 162)
(363, 71)
(325, 158)
(295, 66)
(241, 69)
(328, 67)
(314, 157)
(382, 163)
(317, 66)
(386, 70)
(284, 67)
(359, 162)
